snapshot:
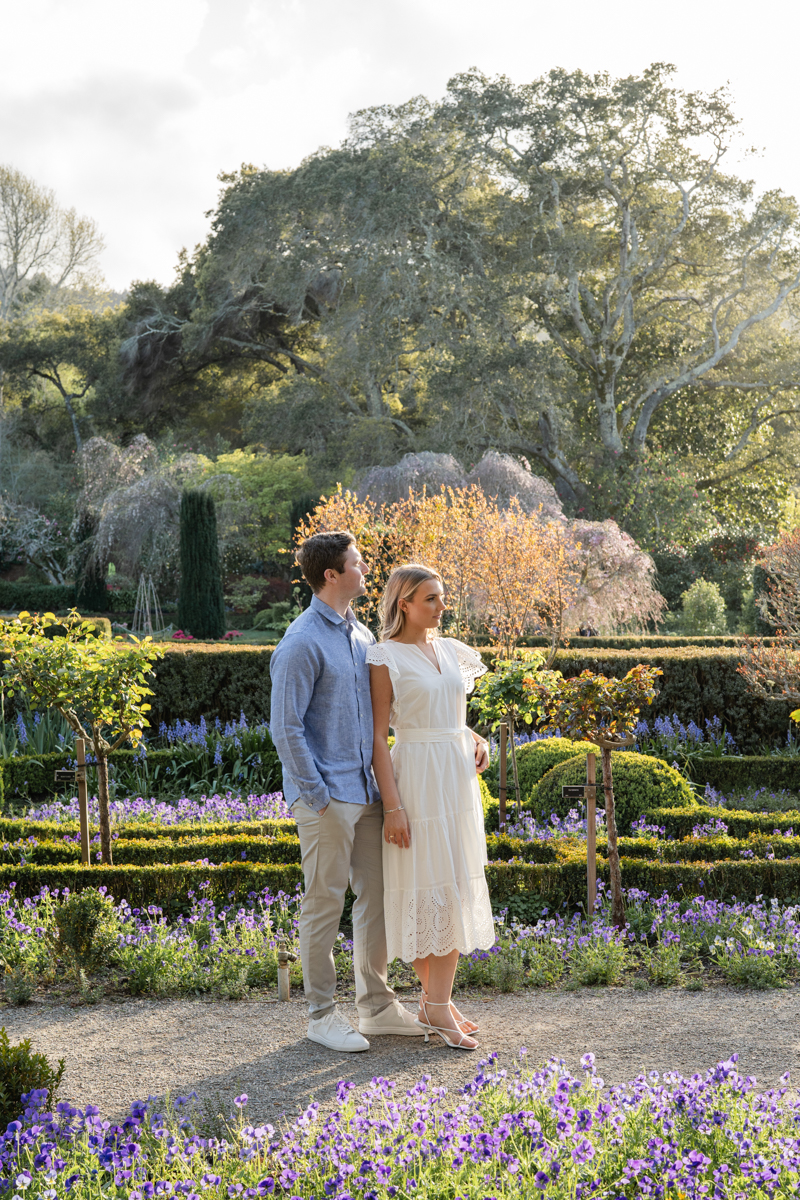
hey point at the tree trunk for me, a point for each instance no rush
(102, 797)
(617, 907)
(514, 770)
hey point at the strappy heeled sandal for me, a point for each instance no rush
(443, 1033)
(457, 1017)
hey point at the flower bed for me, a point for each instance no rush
(509, 1132)
(226, 948)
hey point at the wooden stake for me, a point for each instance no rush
(83, 802)
(503, 757)
(591, 833)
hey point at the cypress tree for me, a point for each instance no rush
(201, 607)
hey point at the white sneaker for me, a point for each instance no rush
(394, 1019)
(337, 1034)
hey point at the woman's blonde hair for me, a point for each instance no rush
(401, 585)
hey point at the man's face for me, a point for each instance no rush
(354, 571)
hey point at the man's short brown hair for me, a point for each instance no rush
(323, 552)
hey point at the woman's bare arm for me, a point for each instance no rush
(396, 827)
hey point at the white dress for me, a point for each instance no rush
(435, 894)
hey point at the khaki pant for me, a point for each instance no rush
(342, 845)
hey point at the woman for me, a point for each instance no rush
(436, 901)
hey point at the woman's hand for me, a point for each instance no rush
(397, 828)
(481, 755)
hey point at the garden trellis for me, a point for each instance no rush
(147, 616)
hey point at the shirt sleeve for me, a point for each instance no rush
(294, 670)
(470, 663)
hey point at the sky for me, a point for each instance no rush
(129, 111)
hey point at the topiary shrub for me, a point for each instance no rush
(201, 605)
(22, 1072)
(87, 926)
(640, 782)
(535, 759)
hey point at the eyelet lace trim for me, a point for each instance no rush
(470, 664)
(381, 656)
(437, 921)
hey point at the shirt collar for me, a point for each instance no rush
(331, 614)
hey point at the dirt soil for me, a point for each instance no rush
(120, 1051)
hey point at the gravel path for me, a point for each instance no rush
(119, 1052)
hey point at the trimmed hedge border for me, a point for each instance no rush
(522, 888)
(225, 848)
(165, 885)
(36, 597)
(679, 822)
(13, 828)
(730, 772)
(633, 641)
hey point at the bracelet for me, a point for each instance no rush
(400, 808)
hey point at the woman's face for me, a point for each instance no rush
(424, 609)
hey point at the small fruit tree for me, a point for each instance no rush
(508, 694)
(98, 686)
(603, 711)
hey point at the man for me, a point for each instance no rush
(321, 724)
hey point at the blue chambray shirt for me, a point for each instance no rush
(321, 711)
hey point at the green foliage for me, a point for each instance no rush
(23, 1071)
(99, 687)
(84, 677)
(640, 783)
(197, 679)
(713, 848)
(36, 597)
(245, 761)
(271, 485)
(201, 606)
(595, 960)
(87, 926)
(277, 618)
(733, 773)
(703, 609)
(193, 681)
(725, 559)
(635, 641)
(505, 694)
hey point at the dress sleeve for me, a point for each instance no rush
(470, 663)
(380, 655)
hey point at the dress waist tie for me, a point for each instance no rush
(428, 735)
